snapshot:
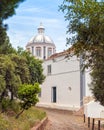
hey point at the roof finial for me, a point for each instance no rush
(41, 24)
(41, 28)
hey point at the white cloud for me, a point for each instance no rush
(24, 24)
(30, 10)
(27, 20)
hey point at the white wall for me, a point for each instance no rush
(65, 75)
(94, 110)
(87, 83)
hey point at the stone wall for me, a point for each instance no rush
(41, 125)
(88, 99)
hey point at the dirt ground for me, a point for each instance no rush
(64, 120)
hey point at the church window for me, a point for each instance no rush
(49, 69)
(38, 51)
(53, 50)
(32, 50)
(49, 52)
(44, 52)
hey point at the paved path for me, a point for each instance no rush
(64, 120)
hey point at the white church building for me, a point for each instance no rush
(65, 84)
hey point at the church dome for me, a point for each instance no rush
(41, 37)
(41, 45)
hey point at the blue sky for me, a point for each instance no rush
(29, 14)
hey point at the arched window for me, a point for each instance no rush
(49, 52)
(38, 51)
(53, 50)
(32, 50)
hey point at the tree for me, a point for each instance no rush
(97, 84)
(2, 84)
(7, 9)
(86, 22)
(13, 72)
(16, 69)
(36, 70)
(21, 68)
(5, 45)
(28, 95)
(9, 80)
(34, 66)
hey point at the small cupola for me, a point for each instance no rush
(41, 29)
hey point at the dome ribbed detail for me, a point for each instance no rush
(41, 37)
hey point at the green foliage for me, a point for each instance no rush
(5, 104)
(21, 68)
(14, 106)
(4, 124)
(10, 80)
(2, 83)
(97, 84)
(86, 23)
(34, 66)
(36, 70)
(7, 9)
(28, 95)
(9, 106)
(27, 120)
(16, 69)
(5, 46)
(34, 114)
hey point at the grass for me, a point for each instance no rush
(26, 121)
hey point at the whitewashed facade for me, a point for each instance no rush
(65, 85)
(94, 110)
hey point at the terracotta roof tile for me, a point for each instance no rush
(66, 52)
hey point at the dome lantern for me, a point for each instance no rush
(41, 29)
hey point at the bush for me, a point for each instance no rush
(28, 95)
(5, 104)
(14, 106)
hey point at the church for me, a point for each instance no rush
(41, 45)
(65, 85)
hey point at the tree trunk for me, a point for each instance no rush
(17, 116)
(12, 97)
(2, 95)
